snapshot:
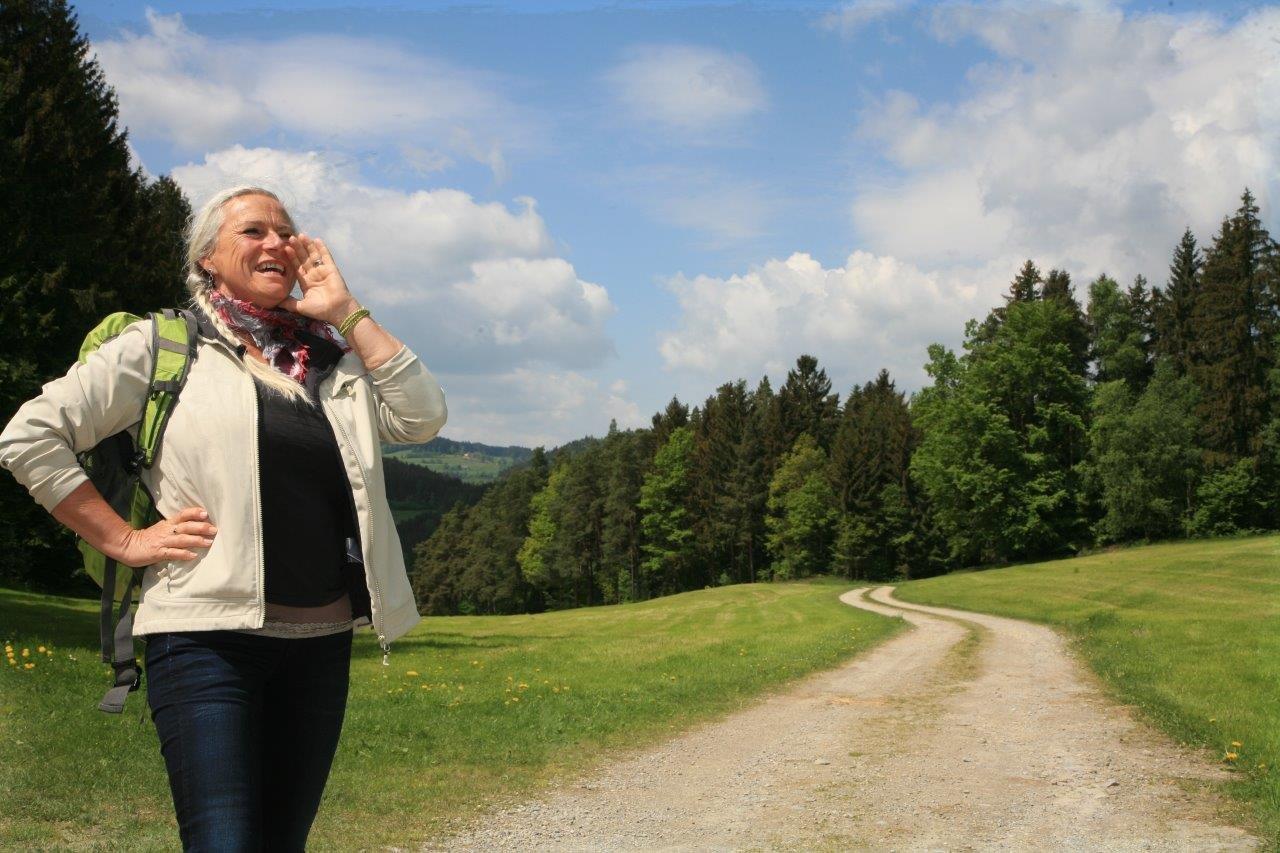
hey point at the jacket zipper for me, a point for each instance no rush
(257, 498)
(364, 545)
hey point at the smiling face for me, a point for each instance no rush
(248, 260)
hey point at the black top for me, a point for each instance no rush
(306, 499)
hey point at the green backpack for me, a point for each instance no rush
(115, 468)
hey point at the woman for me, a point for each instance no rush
(277, 538)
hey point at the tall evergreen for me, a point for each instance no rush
(806, 404)
(1174, 332)
(870, 460)
(81, 234)
(1234, 324)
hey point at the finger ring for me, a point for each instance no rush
(317, 263)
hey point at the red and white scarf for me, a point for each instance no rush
(275, 332)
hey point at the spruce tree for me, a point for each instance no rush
(1174, 332)
(806, 404)
(1233, 324)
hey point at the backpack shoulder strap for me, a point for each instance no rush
(173, 339)
(174, 344)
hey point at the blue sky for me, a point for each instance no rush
(573, 211)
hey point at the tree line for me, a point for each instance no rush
(1148, 412)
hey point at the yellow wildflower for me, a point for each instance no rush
(1237, 744)
(13, 662)
(412, 672)
(1230, 756)
(26, 653)
(40, 649)
(29, 666)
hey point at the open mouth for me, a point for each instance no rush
(270, 267)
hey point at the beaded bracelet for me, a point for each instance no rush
(345, 327)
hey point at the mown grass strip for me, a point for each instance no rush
(1189, 633)
(472, 710)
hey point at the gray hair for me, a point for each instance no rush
(201, 237)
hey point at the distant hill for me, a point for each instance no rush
(419, 497)
(469, 461)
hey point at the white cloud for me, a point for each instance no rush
(705, 201)
(1089, 143)
(534, 407)
(474, 288)
(851, 18)
(873, 312)
(689, 89)
(203, 93)
(1094, 137)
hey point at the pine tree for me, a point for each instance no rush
(1231, 350)
(1174, 332)
(870, 459)
(81, 234)
(806, 404)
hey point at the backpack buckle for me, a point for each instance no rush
(134, 464)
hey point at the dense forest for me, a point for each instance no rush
(1130, 413)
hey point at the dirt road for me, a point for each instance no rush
(967, 732)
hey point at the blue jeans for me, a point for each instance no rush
(248, 728)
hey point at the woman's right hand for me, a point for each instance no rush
(168, 539)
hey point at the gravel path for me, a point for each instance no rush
(967, 732)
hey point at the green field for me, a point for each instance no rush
(472, 710)
(1189, 633)
(472, 467)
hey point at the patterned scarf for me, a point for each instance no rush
(275, 332)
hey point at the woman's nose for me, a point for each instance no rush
(273, 239)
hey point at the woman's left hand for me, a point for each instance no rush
(324, 292)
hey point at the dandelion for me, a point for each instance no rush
(412, 673)
(1230, 756)
(522, 686)
(1236, 744)
(26, 653)
(28, 666)
(40, 649)
(12, 662)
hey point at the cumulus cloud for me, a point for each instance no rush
(689, 89)
(851, 18)
(203, 93)
(1091, 136)
(475, 288)
(870, 313)
(532, 406)
(1087, 142)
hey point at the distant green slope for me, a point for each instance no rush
(471, 709)
(469, 461)
(1188, 632)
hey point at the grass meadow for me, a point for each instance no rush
(472, 710)
(1188, 632)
